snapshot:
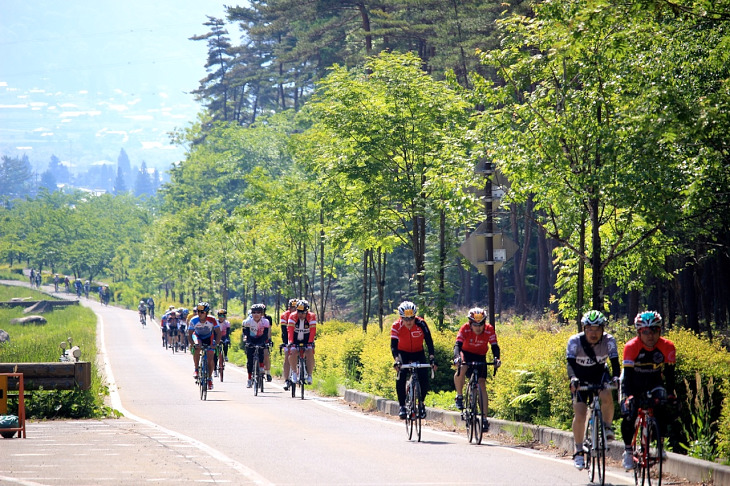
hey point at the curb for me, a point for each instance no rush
(676, 464)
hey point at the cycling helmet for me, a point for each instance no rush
(202, 307)
(647, 319)
(407, 309)
(172, 307)
(222, 313)
(302, 305)
(292, 303)
(141, 301)
(593, 318)
(477, 315)
(258, 308)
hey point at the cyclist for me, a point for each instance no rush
(301, 329)
(270, 343)
(587, 354)
(407, 336)
(151, 307)
(173, 328)
(225, 331)
(291, 308)
(649, 362)
(256, 331)
(142, 308)
(87, 288)
(207, 333)
(472, 343)
(56, 280)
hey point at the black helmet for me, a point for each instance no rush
(202, 307)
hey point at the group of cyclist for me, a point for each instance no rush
(648, 363)
(648, 359)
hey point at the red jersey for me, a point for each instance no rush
(284, 321)
(411, 340)
(476, 343)
(302, 330)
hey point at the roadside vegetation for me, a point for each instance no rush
(30, 343)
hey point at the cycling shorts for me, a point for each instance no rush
(475, 358)
(205, 341)
(172, 331)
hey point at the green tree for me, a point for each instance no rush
(401, 141)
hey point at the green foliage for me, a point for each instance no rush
(40, 343)
(699, 433)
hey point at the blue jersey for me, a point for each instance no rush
(203, 329)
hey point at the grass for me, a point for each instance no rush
(41, 343)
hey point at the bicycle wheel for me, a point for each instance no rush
(468, 413)
(302, 376)
(655, 446)
(417, 409)
(478, 414)
(255, 373)
(597, 451)
(639, 452)
(221, 367)
(410, 404)
(203, 375)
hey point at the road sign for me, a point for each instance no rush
(475, 249)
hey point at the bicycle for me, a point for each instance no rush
(473, 414)
(301, 370)
(202, 380)
(143, 320)
(413, 398)
(164, 338)
(594, 442)
(258, 373)
(647, 445)
(219, 361)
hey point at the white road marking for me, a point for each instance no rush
(212, 452)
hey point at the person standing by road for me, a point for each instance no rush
(407, 337)
(588, 354)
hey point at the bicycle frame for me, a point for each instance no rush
(301, 371)
(203, 372)
(647, 443)
(256, 368)
(413, 397)
(594, 439)
(473, 414)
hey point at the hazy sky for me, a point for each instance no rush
(82, 79)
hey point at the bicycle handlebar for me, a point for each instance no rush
(413, 366)
(594, 387)
(477, 364)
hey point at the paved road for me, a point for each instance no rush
(168, 435)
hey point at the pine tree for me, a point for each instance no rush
(120, 186)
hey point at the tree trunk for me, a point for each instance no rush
(581, 271)
(365, 257)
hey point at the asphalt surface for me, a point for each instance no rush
(123, 451)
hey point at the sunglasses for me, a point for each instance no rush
(408, 318)
(478, 324)
(202, 312)
(650, 330)
(257, 312)
(301, 311)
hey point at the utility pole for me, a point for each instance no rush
(489, 228)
